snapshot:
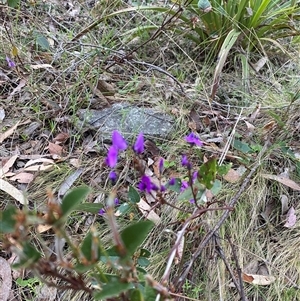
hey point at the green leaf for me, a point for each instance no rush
(7, 220)
(112, 289)
(13, 3)
(176, 187)
(135, 234)
(207, 173)
(29, 256)
(124, 208)
(223, 169)
(73, 198)
(90, 247)
(145, 253)
(216, 187)
(42, 42)
(187, 194)
(143, 262)
(241, 146)
(133, 195)
(136, 295)
(150, 293)
(89, 207)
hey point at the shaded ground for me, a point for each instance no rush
(41, 146)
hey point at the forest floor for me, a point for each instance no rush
(254, 124)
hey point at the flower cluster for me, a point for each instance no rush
(145, 184)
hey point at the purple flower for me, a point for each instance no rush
(185, 162)
(116, 202)
(192, 201)
(112, 157)
(146, 184)
(113, 176)
(161, 165)
(193, 139)
(101, 211)
(10, 63)
(195, 176)
(184, 186)
(119, 143)
(172, 181)
(139, 144)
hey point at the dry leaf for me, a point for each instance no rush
(55, 149)
(9, 132)
(249, 126)
(258, 279)
(23, 177)
(2, 114)
(255, 114)
(75, 162)
(260, 63)
(285, 181)
(291, 218)
(45, 161)
(232, 176)
(8, 165)
(156, 168)
(38, 168)
(6, 279)
(61, 137)
(46, 293)
(68, 182)
(145, 208)
(11, 190)
(43, 228)
(21, 84)
(284, 204)
(40, 66)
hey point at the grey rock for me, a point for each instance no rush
(128, 120)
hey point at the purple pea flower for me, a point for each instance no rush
(161, 165)
(10, 62)
(119, 143)
(185, 162)
(192, 201)
(116, 202)
(184, 186)
(139, 144)
(193, 139)
(146, 184)
(195, 176)
(112, 157)
(101, 211)
(113, 176)
(172, 181)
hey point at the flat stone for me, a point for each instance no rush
(129, 120)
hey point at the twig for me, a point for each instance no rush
(159, 69)
(222, 255)
(232, 203)
(239, 271)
